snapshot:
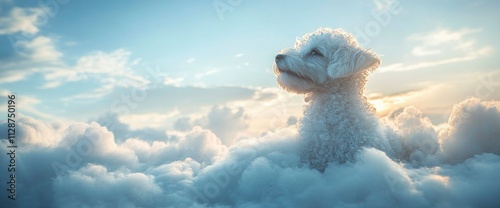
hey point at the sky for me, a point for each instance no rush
(152, 77)
(66, 58)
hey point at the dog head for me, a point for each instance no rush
(321, 57)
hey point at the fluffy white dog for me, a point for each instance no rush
(331, 69)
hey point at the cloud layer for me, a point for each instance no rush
(83, 165)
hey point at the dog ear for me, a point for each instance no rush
(348, 62)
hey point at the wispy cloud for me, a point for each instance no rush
(30, 106)
(108, 68)
(41, 48)
(448, 45)
(409, 67)
(20, 20)
(206, 73)
(40, 55)
(436, 41)
(35, 56)
(381, 5)
(239, 55)
(173, 81)
(387, 103)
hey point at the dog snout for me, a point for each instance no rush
(279, 57)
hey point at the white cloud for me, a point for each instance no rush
(173, 81)
(239, 55)
(13, 76)
(199, 144)
(436, 97)
(40, 55)
(387, 103)
(228, 124)
(109, 68)
(450, 46)
(432, 43)
(112, 188)
(408, 67)
(30, 106)
(265, 110)
(194, 169)
(40, 49)
(190, 60)
(38, 133)
(21, 20)
(383, 5)
(472, 129)
(207, 73)
(35, 55)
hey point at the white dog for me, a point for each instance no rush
(331, 69)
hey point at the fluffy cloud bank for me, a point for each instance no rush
(82, 165)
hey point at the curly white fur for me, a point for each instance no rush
(331, 69)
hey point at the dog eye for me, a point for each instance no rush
(315, 52)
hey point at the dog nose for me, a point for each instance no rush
(279, 56)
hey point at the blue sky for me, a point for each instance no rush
(79, 57)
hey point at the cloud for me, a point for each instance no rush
(226, 123)
(383, 5)
(21, 20)
(266, 110)
(111, 189)
(34, 56)
(386, 103)
(239, 55)
(432, 41)
(450, 46)
(40, 49)
(33, 132)
(194, 168)
(39, 55)
(122, 131)
(198, 144)
(206, 73)
(173, 81)
(405, 67)
(472, 129)
(435, 96)
(30, 106)
(190, 60)
(415, 133)
(108, 68)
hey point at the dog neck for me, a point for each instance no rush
(338, 121)
(342, 99)
(346, 88)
